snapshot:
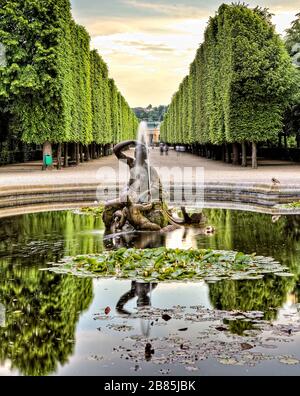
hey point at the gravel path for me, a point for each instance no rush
(30, 174)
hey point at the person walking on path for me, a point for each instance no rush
(161, 148)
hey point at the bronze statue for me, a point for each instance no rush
(141, 185)
(140, 206)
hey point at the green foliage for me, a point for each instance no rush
(81, 126)
(239, 83)
(42, 311)
(30, 81)
(102, 93)
(270, 292)
(151, 114)
(292, 39)
(127, 120)
(55, 88)
(292, 114)
(163, 264)
(292, 205)
(115, 114)
(96, 211)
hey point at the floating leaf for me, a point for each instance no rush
(17, 312)
(164, 264)
(289, 361)
(221, 328)
(229, 361)
(284, 274)
(191, 368)
(246, 347)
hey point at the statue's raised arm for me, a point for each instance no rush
(118, 151)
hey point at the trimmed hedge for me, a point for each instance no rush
(55, 88)
(239, 83)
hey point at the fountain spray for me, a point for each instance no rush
(142, 140)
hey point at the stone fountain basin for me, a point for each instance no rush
(261, 198)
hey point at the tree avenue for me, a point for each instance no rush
(292, 114)
(53, 89)
(240, 83)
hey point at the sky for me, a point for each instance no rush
(149, 44)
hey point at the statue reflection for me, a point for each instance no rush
(143, 292)
(140, 290)
(138, 240)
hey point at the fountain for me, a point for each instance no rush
(142, 143)
(140, 206)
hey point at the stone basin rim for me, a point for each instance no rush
(218, 205)
(242, 196)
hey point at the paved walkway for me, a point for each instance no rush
(30, 174)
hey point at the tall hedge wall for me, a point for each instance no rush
(55, 87)
(239, 83)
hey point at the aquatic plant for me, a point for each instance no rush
(291, 205)
(96, 211)
(162, 264)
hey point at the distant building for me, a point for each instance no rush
(154, 132)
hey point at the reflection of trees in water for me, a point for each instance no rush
(258, 295)
(221, 220)
(75, 233)
(238, 326)
(42, 308)
(42, 311)
(255, 232)
(292, 232)
(40, 337)
(292, 226)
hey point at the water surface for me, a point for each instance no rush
(53, 324)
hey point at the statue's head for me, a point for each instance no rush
(141, 154)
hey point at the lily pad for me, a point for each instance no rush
(284, 274)
(229, 361)
(192, 368)
(290, 361)
(96, 211)
(164, 264)
(245, 346)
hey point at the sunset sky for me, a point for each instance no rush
(149, 44)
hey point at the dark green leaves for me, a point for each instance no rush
(55, 88)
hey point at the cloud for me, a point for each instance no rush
(149, 45)
(203, 8)
(147, 66)
(279, 5)
(173, 10)
(282, 21)
(113, 25)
